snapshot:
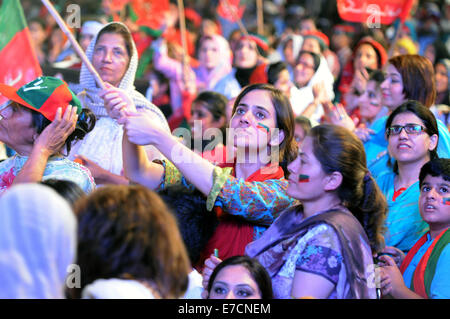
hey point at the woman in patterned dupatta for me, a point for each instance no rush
(323, 248)
(425, 268)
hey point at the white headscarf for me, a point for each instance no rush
(37, 242)
(210, 78)
(116, 289)
(87, 83)
(103, 144)
(302, 97)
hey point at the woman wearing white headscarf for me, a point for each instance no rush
(114, 56)
(289, 49)
(311, 74)
(37, 242)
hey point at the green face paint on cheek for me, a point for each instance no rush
(303, 178)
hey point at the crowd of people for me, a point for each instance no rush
(308, 157)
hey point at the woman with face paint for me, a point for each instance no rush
(424, 271)
(323, 247)
(249, 190)
(408, 77)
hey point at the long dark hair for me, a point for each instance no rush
(339, 150)
(256, 270)
(85, 124)
(423, 113)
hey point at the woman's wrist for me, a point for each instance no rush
(40, 151)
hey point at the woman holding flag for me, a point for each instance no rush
(113, 55)
(249, 190)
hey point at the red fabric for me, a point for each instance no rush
(259, 75)
(318, 35)
(174, 35)
(184, 112)
(348, 70)
(151, 13)
(217, 155)
(142, 42)
(360, 11)
(397, 193)
(161, 100)
(20, 64)
(233, 234)
(192, 15)
(419, 273)
(225, 7)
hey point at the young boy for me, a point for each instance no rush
(424, 271)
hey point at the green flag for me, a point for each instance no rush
(19, 61)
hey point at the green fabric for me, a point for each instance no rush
(12, 21)
(220, 176)
(132, 14)
(172, 176)
(144, 62)
(434, 257)
(151, 32)
(38, 91)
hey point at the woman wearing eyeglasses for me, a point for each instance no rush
(412, 134)
(408, 77)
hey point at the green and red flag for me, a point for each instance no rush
(230, 10)
(370, 11)
(19, 64)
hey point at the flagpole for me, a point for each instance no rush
(236, 17)
(395, 39)
(51, 9)
(182, 20)
(260, 16)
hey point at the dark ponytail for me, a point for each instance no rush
(339, 150)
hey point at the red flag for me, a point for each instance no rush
(374, 11)
(19, 62)
(226, 8)
(150, 13)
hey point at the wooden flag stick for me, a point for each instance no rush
(260, 16)
(51, 9)
(182, 19)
